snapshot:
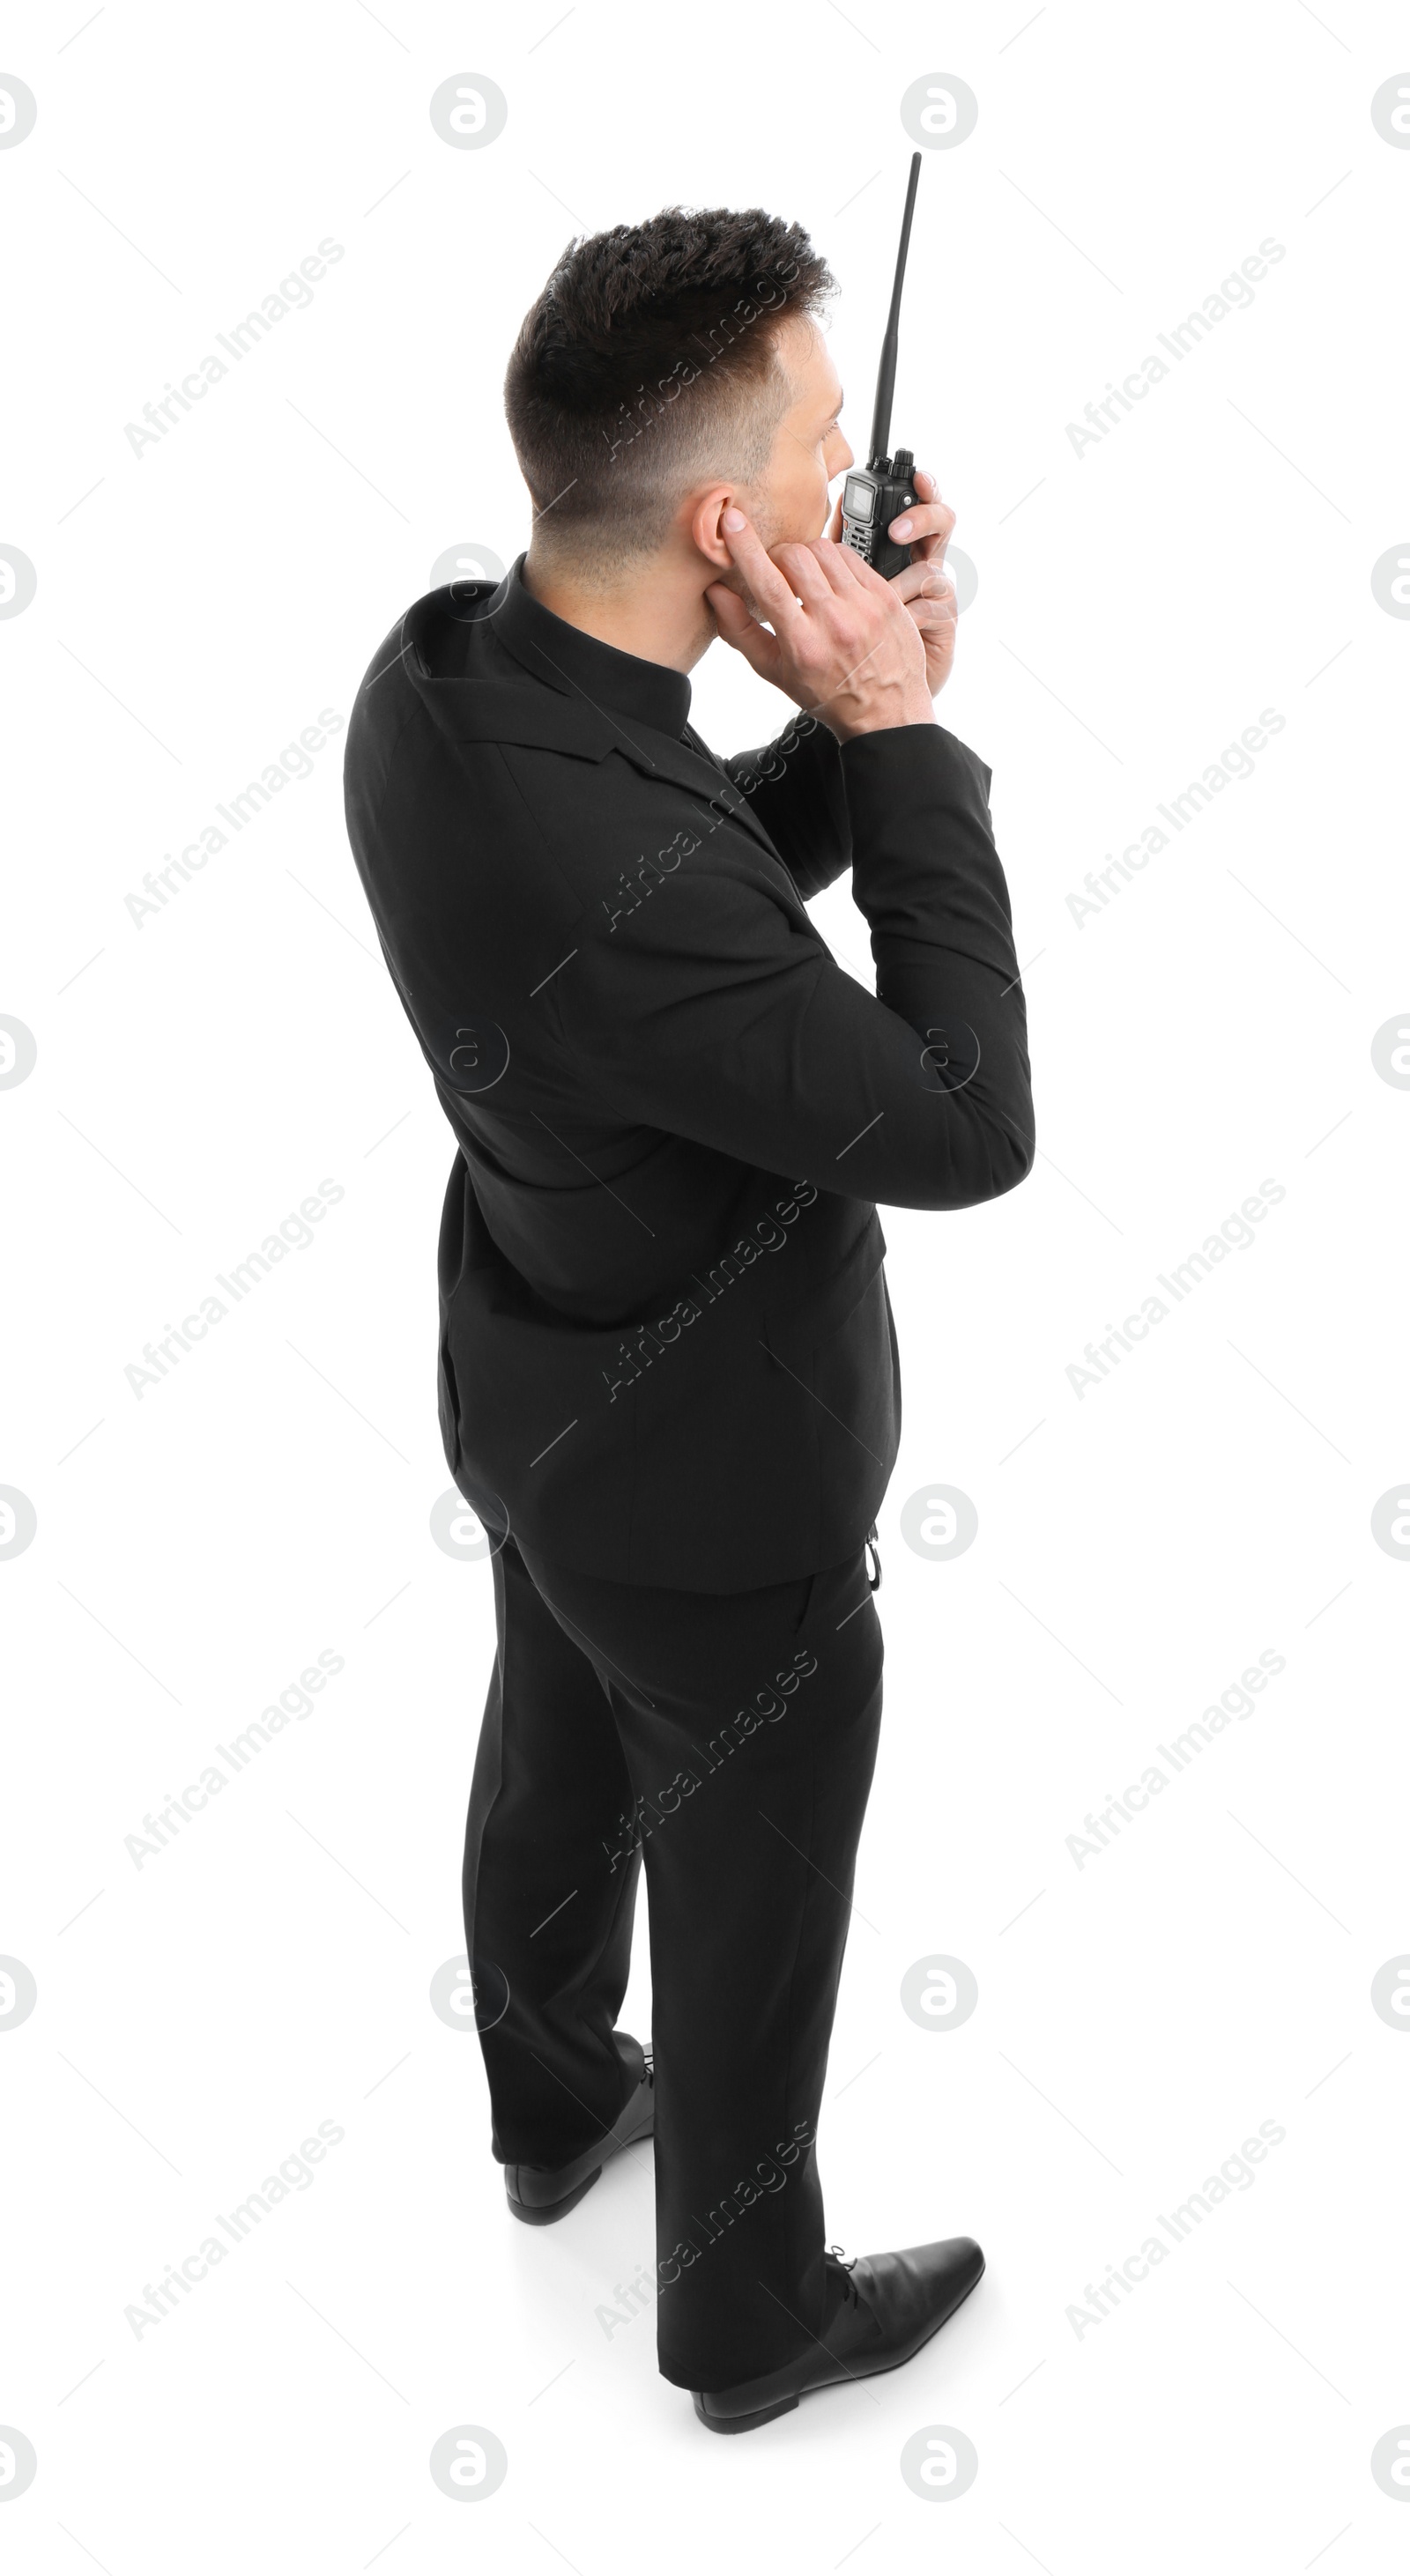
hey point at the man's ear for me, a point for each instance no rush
(705, 526)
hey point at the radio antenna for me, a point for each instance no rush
(886, 373)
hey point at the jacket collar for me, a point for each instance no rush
(619, 685)
(579, 695)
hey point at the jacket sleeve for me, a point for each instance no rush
(795, 786)
(711, 1013)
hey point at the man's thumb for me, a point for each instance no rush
(737, 627)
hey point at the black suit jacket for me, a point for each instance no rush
(667, 1354)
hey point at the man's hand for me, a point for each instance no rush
(924, 584)
(845, 643)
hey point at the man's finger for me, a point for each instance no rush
(826, 553)
(929, 522)
(771, 592)
(924, 519)
(800, 564)
(728, 609)
(854, 570)
(932, 617)
(928, 545)
(927, 579)
(735, 626)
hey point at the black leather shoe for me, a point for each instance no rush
(886, 2307)
(540, 2193)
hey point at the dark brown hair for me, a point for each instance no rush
(650, 362)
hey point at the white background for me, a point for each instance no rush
(1138, 605)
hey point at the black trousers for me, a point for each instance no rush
(727, 1744)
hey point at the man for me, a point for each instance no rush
(668, 1370)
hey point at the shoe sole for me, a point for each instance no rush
(785, 2405)
(555, 2208)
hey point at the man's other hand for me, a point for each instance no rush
(924, 584)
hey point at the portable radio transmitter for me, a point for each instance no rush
(874, 495)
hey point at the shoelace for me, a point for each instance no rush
(846, 2264)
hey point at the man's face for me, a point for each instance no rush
(789, 502)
